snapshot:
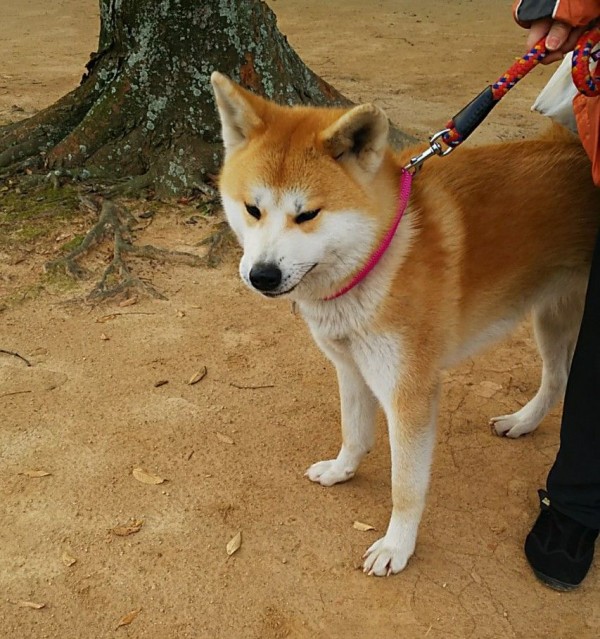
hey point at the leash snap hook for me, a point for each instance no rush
(435, 148)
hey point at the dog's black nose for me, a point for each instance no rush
(265, 277)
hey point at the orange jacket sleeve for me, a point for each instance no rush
(587, 113)
(577, 13)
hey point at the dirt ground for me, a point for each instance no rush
(233, 447)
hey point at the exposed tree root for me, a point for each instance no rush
(218, 243)
(118, 277)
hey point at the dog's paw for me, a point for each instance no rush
(330, 472)
(384, 558)
(512, 425)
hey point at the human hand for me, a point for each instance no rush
(560, 37)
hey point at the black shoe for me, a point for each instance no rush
(559, 549)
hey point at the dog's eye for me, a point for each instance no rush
(254, 211)
(308, 215)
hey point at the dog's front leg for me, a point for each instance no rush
(358, 406)
(411, 423)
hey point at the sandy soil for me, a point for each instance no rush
(233, 447)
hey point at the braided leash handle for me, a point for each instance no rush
(468, 119)
(586, 82)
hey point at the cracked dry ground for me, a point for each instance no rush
(87, 411)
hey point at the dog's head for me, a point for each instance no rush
(301, 188)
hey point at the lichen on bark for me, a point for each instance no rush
(144, 113)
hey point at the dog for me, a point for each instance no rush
(489, 234)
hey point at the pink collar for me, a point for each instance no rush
(405, 186)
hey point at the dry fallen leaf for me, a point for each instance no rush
(358, 525)
(199, 376)
(128, 302)
(132, 527)
(31, 604)
(35, 473)
(234, 544)
(106, 318)
(147, 478)
(128, 618)
(224, 438)
(40, 350)
(68, 559)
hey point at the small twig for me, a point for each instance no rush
(16, 355)
(240, 386)
(106, 318)
(16, 393)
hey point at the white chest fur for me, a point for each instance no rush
(344, 330)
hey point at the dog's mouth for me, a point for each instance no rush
(281, 294)
(275, 294)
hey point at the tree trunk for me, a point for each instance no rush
(144, 112)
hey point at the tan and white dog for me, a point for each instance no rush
(490, 233)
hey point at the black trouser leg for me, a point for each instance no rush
(574, 480)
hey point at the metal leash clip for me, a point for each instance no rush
(435, 148)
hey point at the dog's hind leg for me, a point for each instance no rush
(556, 324)
(358, 407)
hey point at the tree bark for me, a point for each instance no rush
(144, 112)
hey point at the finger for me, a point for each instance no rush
(538, 30)
(557, 36)
(571, 41)
(553, 56)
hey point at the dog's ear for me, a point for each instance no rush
(237, 111)
(360, 136)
